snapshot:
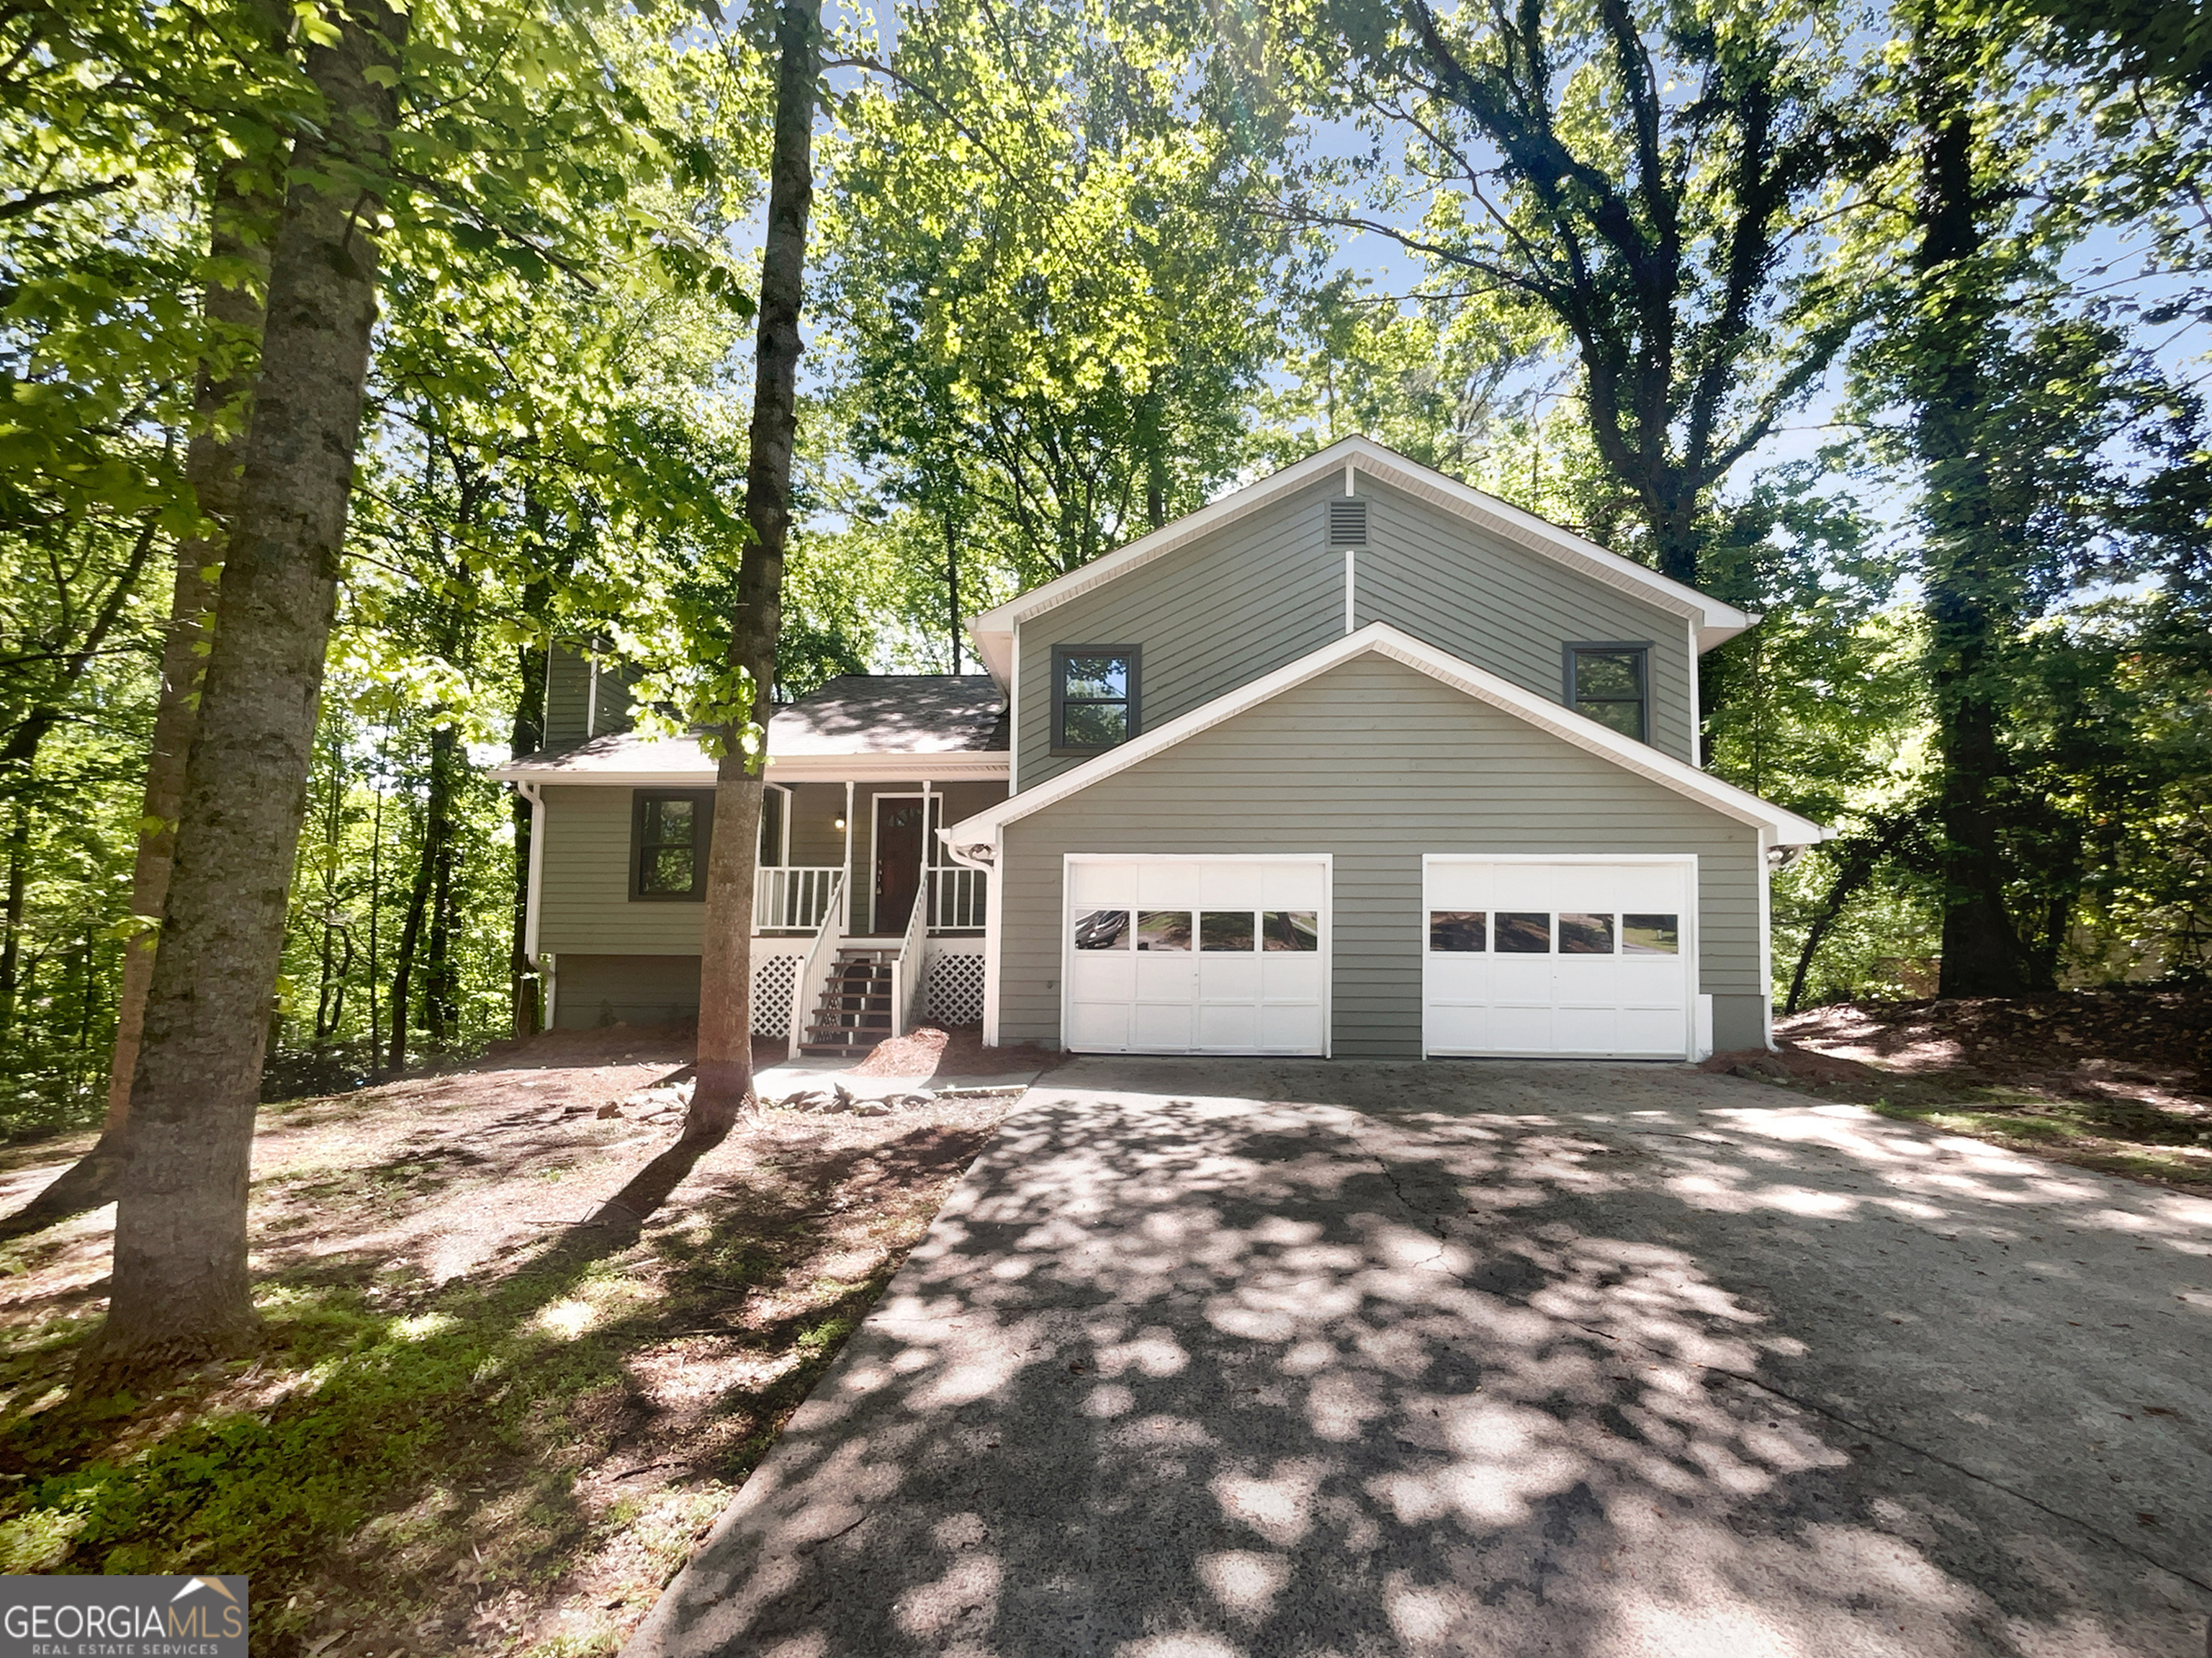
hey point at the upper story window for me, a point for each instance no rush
(669, 829)
(1095, 697)
(1607, 682)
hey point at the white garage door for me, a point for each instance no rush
(1594, 957)
(1197, 955)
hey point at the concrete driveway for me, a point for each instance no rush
(1242, 1359)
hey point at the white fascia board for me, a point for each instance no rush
(1381, 639)
(995, 649)
(956, 766)
(1715, 620)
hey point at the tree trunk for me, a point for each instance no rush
(725, 1060)
(1963, 558)
(11, 918)
(952, 585)
(179, 1288)
(403, 952)
(440, 975)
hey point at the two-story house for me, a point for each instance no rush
(1355, 760)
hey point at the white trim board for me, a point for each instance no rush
(1380, 639)
(1713, 620)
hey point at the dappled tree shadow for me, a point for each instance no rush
(1199, 1378)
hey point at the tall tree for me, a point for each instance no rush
(179, 1288)
(725, 1080)
(1641, 181)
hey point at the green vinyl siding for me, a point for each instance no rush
(1209, 617)
(584, 902)
(1377, 764)
(583, 882)
(1268, 588)
(567, 694)
(1487, 601)
(591, 990)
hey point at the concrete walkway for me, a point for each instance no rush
(1244, 1359)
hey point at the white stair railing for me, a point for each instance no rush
(813, 973)
(955, 898)
(791, 896)
(906, 970)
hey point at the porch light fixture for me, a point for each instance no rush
(841, 825)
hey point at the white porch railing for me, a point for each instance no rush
(793, 896)
(814, 971)
(957, 897)
(906, 968)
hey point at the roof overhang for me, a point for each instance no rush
(1713, 620)
(1778, 825)
(696, 770)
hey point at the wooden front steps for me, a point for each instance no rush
(854, 1011)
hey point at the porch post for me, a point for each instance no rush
(928, 861)
(845, 888)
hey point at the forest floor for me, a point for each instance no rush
(483, 1420)
(2119, 1081)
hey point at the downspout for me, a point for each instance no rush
(534, 793)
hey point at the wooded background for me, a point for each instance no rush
(1886, 322)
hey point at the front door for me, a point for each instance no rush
(898, 863)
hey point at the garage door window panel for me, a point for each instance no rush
(1291, 931)
(1459, 932)
(1164, 931)
(1524, 932)
(1585, 935)
(1220, 931)
(1102, 929)
(1651, 934)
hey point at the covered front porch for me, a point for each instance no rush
(861, 853)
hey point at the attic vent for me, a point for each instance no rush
(1347, 521)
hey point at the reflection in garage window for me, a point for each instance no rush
(1585, 935)
(1289, 929)
(1224, 930)
(1651, 934)
(1102, 929)
(1457, 930)
(1163, 929)
(1524, 932)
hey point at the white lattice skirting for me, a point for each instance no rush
(956, 991)
(772, 977)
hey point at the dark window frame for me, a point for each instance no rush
(1642, 651)
(703, 800)
(1133, 725)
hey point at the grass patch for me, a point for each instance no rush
(2077, 1133)
(513, 1461)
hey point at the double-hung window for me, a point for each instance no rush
(1094, 698)
(669, 829)
(1608, 683)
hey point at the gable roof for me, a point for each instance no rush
(1715, 621)
(1379, 638)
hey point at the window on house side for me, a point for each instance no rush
(1607, 682)
(1094, 697)
(669, 832)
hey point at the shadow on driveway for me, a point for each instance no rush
(1225, 1359)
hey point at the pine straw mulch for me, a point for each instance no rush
(2117, 1080)
(475, 1426)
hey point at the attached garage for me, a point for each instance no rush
(1219, 954)
(1592, 957)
